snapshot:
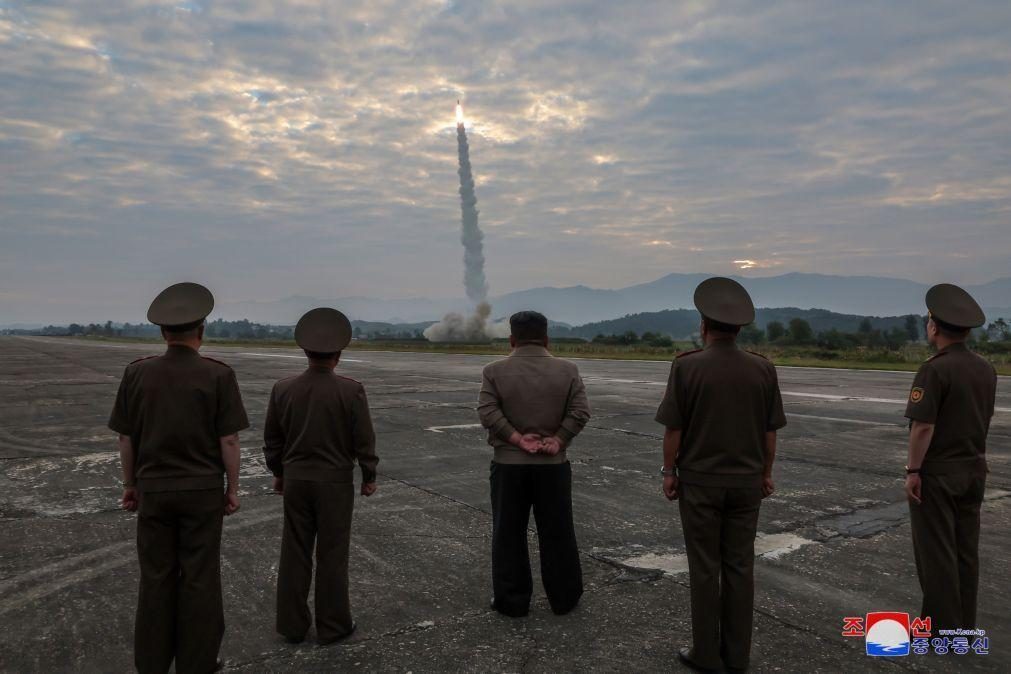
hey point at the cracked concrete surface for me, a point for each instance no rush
(835, 536)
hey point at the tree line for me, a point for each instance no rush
(798, 332)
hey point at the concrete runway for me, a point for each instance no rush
(834, 538)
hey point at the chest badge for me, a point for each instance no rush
(916, 395)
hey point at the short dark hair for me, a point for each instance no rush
(316, 355)
(716, 326)
(528, 326)
(182, 331)
(950, 331)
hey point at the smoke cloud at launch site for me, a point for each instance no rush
(455, 327)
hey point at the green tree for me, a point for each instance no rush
(999, 331)
(800, 331)
(832, 339)
(774, 331)
(865, 326)
(751, 334)
(896, 338)
(912, 328)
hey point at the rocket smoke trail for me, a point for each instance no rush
(471, 236)
(455, 327)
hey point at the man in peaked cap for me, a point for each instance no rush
(317, 426)
(178, 416)
(721, 411)
(950, 407)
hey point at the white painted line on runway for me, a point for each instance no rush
(798, 394)
(862, 399)
(624, 381)
(848, 421)
(440, 429)
(300, 357)
(830, 396)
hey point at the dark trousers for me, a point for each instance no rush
(179, 612)
(548, 489)
(315, 513)
(946, 546)
(719, 526)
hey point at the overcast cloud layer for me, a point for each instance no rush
(269, 148)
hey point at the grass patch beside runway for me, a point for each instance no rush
(907, 358)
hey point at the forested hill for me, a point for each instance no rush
(679, 323)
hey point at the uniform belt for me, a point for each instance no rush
(976, 464)
(719, 479)
(188, 483)
(296, 471)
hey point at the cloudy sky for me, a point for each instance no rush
(272, 148)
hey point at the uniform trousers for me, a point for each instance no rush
(179, 611)
(547, 488)
(945, 530)
(719, 525)
(315, 513)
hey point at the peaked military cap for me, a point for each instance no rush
(950, 304)
(323, 330)
(182, 305)
(724, 300)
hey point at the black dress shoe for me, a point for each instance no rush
(327, 642)
(218, 666)
(294, 640)
(685, 655)
(512, 613)
(563, 610)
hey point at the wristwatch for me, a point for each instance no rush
(912, 471)
(668, 473)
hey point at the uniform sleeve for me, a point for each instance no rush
(925, 395)
(364, 437)
(577, 411)
(273, 438)
(669, 412)
(119, 420)
(489, 409)
(776, 417)
(231, 415)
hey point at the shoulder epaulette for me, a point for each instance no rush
(340, 376)
(755, 353)
(142, 358)
(687, 353)
(215, 360)
(936, 355)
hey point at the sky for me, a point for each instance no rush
(269, 148)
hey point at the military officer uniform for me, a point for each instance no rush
(532, 392)
(175, 408)
(318, 424)
(954, 390)
(724, 400)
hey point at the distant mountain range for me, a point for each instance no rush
(575, 305)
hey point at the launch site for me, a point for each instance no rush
(833, 540)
